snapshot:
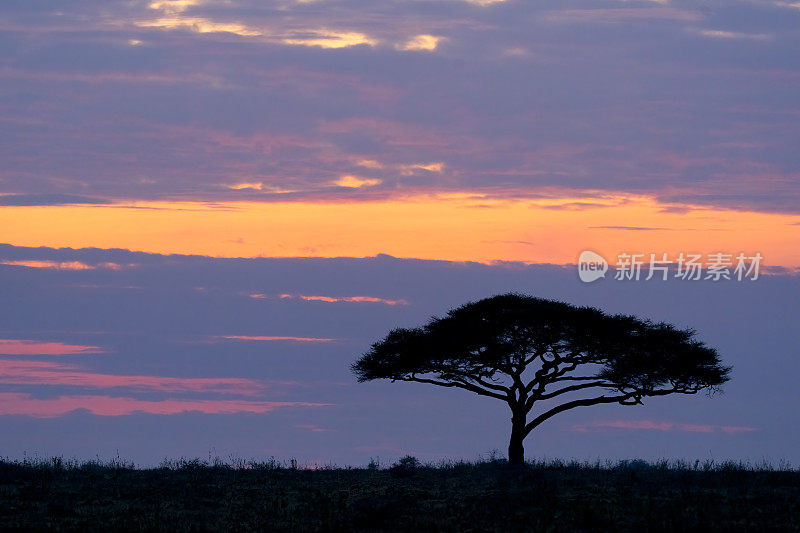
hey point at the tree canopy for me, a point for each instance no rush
(524, 350)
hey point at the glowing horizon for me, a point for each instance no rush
(454, 227)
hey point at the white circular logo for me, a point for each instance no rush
(591, 266)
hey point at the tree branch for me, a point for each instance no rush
(539, 375)
(493, 386)
(459, 384)
(626, 398)
(575, 403)
(537, 353)
(572, 388)
(564, 390)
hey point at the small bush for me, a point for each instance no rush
(406, 466)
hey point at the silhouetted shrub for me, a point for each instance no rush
(405, 466)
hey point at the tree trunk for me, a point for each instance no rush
(516, 451)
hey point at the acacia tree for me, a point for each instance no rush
(544, 357)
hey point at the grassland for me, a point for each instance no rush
(195, 495)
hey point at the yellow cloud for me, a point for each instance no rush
(199, 25)
(329, 39)
(174, 18)
(516, 51)
(369, 163)
(259, 186)
(240, 186)
(173, 6)
(354, 182)
(432, 167)
(722, 34)
(407, 170)
(420, 43)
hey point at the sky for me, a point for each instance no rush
(209, 209)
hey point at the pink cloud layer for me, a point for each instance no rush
(24, 404)
(333, 299)
(15, 372)
(28, 347)
(276, 338)
(62, 265)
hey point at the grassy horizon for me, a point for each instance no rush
(59, 463)
(487, 495)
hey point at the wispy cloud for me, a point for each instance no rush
(47, 199)
(342, 299)
(174, 18)
(245, 185)
(419, 43)
(37, 263)
(30, 347)
(355, 182)
(791, 5)
(174, 6)
(733, 35)
(26, 405)
(271, 338)
(325, 38)
(484, 2)
(261, 187)
(576, 206)
(200, 25)
(16, 372)
(430, 167)
(660, 426)
(313, 428)
(600, 15)
(63, 265)
(630, 228)
(406, 169)
(369, 163)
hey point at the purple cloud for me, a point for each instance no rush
(191, 100)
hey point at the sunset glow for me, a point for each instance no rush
(463, 227)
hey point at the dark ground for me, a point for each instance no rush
(487, 496)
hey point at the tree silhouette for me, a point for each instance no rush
(544, 357)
